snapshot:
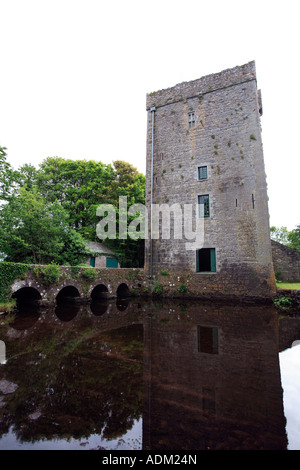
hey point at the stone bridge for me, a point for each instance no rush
(77, 285)
(84, 284)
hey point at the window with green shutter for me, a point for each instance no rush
(202, 172)
(206, 260)
(203, 203)
(111, 262)
(212, 260)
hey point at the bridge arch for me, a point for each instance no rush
(26, 295)
(100, 291)
(67, 294)
(123, 290)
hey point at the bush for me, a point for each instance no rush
(164, 272)
(283, 303)
(48, 274)
(157, 289)
(89, 273)
(8, 273)
(182, 288)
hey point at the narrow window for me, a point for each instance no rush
(206, 260)
(202, 173)
(191, 120)
(203, 202)
(208, 339)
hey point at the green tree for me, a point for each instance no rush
(80, 186)
(26, 176)
(294, 238)
(8, 177)
(288, 238)
(72, 189)
(74, 250)
(34, 231)
(130, 183)
(279, 234)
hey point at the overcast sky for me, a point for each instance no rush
(75, 73)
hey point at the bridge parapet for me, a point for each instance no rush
(48, 284)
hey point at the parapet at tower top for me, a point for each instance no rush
(201, 86)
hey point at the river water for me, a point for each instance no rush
(150, 374)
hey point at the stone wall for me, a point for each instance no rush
(286, 262)
(81, 283)
(226, 139)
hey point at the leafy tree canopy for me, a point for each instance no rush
(49, 212)
(8, 177)
(33, 231)
(288, 238)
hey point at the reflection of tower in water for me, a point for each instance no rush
(211, 373)
(212, 379)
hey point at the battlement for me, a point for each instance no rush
(202, 86)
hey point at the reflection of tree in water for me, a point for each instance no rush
(82, 386)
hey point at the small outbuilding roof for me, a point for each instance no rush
(99, 248)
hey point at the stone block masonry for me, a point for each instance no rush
(286, 262)
(204, 146)
(82, 284)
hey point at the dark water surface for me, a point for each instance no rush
(155, 375)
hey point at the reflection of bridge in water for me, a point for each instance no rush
(211, 376)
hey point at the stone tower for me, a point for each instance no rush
(204, 150)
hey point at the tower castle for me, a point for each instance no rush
(204, 150)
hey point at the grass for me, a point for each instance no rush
(288, 285)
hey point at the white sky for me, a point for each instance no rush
(75, 73)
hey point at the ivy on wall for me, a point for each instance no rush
(8, 273)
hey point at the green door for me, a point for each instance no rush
(111, 262)
(92, 261)
(213, 260)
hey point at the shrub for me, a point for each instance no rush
(8, 273)
(182, 288)
(48, 274)
(164, 272)
(157, 288)
(283, 302)
(89, 273)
